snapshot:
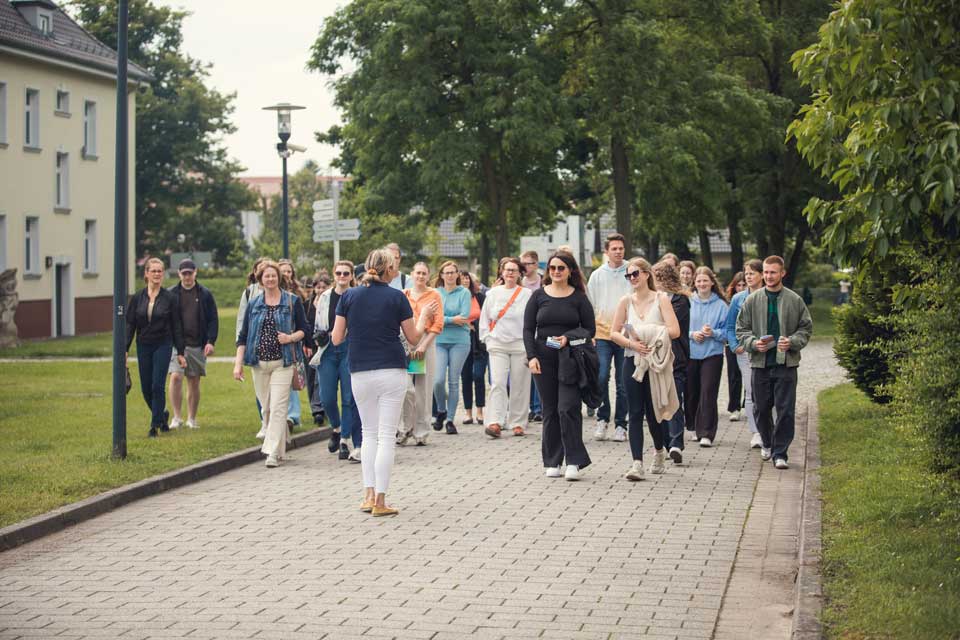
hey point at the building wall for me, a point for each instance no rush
(28, 186)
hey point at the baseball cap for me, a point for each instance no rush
(187, 265)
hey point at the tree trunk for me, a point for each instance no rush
(705, 253)
(485, 258)
(497, 201)
(796, 259)
(652, 252)
(622, 192)
(734, 215)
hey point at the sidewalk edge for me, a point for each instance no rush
(807, 623)
(77, 512)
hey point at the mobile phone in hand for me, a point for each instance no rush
(553, 343)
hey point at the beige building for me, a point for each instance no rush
(57, 150)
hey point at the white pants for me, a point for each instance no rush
(509, 410)
(746, 376)
(271, 380)
(418, 399)
(379, 397)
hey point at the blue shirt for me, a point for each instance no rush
(373, 316)
(731, 327)
(712, 311)
(455, 303)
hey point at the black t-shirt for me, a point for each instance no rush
(332, 312)
(190, 312)
(547, 316)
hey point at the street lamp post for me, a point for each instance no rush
(120, 213)
(283, 110)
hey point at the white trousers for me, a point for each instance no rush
(271, 380)
(509, 409)
(379, 397)
(746, 375)
(418, 399)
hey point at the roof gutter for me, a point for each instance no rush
(135, 80)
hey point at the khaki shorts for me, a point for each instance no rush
(196, 362)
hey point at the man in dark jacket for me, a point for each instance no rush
(198, 316)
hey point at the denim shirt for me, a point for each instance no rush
(286, 323)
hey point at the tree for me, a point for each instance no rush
(452, 107)
(883, 128)
(185, 183)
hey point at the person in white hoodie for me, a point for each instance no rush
(606, 287)
(501, 330)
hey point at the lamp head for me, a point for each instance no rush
(283, 110)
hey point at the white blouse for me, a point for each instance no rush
(509, 328)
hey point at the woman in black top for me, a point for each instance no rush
(153, 315)
(668, 280)
(561, 305)
(473, 377)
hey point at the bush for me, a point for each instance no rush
(864, 343)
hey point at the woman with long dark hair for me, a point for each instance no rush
(559, 307)
(153, 316)
(474, 373)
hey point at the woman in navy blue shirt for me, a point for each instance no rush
(374, 315)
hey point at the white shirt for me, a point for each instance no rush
(507, 335)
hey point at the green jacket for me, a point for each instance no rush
(795, 323)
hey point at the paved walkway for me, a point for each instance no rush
(485, 545)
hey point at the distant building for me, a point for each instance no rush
(57, 143)
(268, 187)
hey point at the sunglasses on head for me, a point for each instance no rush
(341, 273)
(632, 275)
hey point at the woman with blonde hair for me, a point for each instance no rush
(153, 316)
(333, 370)
(708, 315)
(501, 331)
(269, 343)
(374, 315)
(453, 344)
(643, 319)
(668, 281)
(418, 400)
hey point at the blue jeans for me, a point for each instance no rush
(607, 351)
(334, 369)
(675, 424)
(450, 359)
(535, 406)
(153, 378)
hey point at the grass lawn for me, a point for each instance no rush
(891, 533)
(823, 327)
(56, 422)
(226, 291)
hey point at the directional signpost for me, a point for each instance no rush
(327, 225)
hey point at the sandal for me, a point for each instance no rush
(493, 431)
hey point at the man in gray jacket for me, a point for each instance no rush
(773, 326)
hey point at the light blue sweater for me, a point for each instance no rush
(712, 311)
(455, 303)
(732, 313)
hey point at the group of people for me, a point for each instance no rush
(385, 353)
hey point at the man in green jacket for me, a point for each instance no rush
(773, 326)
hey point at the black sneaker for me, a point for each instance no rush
(344, 451)
(334, 443)
(166, 422)
(152, 433)
(451, 428)
(318, 419)
(438, 423)
(537, 417)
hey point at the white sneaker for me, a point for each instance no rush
(601, 431)
(192, 424)
(553, 472)
(735, 416)
(573, 472)
(693, 437)
(619, 434)
(780, 463)
(176, 423)
(354, 455)
(756, 441)
(705, 442)
(261, 434)
(658, 459)
(636, 471)
(765, 453)
(272, 461)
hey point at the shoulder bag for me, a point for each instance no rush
(506, 307)
(299, 380)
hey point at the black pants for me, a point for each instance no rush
(703, 387)
(562, 421)
(734, 382)
(640, 404)
(153, 360)
(473, 380)
(775, 387)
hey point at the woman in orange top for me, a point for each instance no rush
(417, 404)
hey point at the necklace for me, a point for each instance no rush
(649, 305)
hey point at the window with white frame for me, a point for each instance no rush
(45, 22)
(62, 198)
(3, 242)
(31, 130)
(63, 101)
(90, 246)
(89, 128)
(3, 112)
(31, 246)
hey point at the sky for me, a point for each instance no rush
(259, 50)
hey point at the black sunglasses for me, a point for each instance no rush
(341, 273)
(631, 275)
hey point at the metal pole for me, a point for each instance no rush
(120, 235)
(336, 220)
(286, 211)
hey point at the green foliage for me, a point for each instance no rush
(185, 183)
(891, 527)
(865, 341)
(883, 127)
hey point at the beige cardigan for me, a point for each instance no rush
(659, 363)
